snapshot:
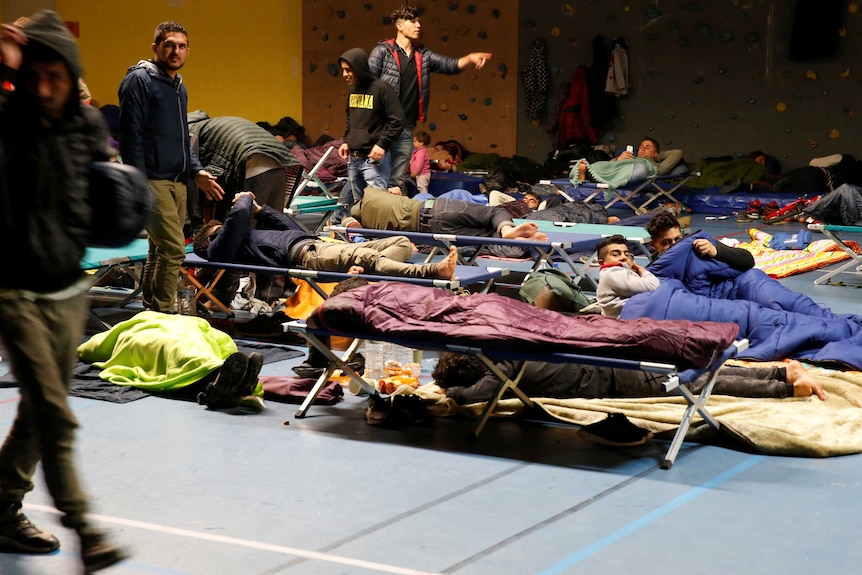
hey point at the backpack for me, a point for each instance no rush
(560, 283)
(121, 200)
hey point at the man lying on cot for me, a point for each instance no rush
(285, 245)
(466, 379)
(628, 167)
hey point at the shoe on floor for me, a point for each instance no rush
(770, 208)
(755, 210)
(263, 325)
(19, 535)
(98, 552)
(412, 408)
(251, 375)
(219, 393)
(616, 431)
(379, 412)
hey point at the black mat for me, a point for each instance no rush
(86, 382)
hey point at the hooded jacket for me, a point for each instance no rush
(45, 214)
(154, 134)
(374, 113)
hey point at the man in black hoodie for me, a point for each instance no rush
(374, 121)
(47, 142)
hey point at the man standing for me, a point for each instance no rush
(47, 141)
(374, 121)
(406, 65)
(154, 137)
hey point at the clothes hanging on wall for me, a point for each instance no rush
(574, 124)
(618, 70)
(534, 75)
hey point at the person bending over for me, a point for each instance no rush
(380, 210)
(284, 245)
(620, 276)
(466, 379)
(665, 231)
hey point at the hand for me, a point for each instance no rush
(626, 156)
(11, 40)
(342, 151)
(479, 58)
(639, 269)
(376, 153)
(209, 186)
(704, 248)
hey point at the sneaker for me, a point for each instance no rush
(219, 393)
(97, 552)
(770, 208)
(615, 431)
(379, 412)
(19, 535)
(251, 375)
(263, 325)
(755, 210)
(412, 409)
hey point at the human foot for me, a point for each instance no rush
(524, 230)
(446, 266)
(803, 384)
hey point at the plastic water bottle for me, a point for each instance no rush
(186, 297)
(375, 359)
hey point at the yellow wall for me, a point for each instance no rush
(245, 57)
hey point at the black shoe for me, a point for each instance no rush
(97, 552)
(252, 374)
(219, 393)
(263, 325)
(412, 409)
(379, 412)
(19, 535)
(616, 431)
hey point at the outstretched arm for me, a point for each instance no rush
(477, 59)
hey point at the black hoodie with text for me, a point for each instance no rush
(374, 113)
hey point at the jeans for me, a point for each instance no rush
(458, 217)
(401, 150)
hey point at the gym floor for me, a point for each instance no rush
(198, 492)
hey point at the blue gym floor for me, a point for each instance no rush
(197, 492)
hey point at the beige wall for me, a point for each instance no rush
(476, 108)
(245, 58)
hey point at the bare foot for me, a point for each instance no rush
(394, 190)
(582, 170)
(355, 270)
(446, 266)
(524, 230)
(803, 384)
(613, 219)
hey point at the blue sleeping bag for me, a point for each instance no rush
(778, 322)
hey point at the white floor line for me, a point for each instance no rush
(239, 542)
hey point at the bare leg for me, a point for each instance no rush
(525, 230)
(803, 384)
(446, 267)
(613, 219)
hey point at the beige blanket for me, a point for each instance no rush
(796, 426)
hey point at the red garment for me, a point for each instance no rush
(574, 124)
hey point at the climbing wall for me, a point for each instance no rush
(477, 108)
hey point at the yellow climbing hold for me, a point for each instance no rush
(555, 31)
(834, 134)
(853, 7)
(444, 107)
(811, 74)
(780, 107)
(845, 73)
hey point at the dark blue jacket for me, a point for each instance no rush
(238, 242)
(154, 134)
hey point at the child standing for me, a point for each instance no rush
(620, 277)
(420, 162)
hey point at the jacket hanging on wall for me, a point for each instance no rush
(534, 75)
(574, 123)
(618, 70)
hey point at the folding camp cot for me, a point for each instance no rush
(654, 188)
(558, 245)
(852, 266)
(676, 380)
(124, 261)
(303, 207)
(464, 276)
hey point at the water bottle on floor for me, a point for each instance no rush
(186, 297)
(374, 359)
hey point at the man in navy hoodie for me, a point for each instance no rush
(374, 121)
(154, 137)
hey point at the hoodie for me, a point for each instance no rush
(154, 134)
(44, 172)
(374, 113)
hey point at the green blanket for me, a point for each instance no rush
(158, 352)
(614, 173)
